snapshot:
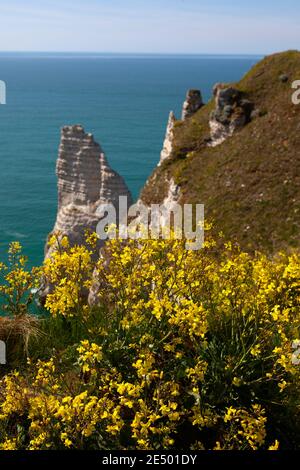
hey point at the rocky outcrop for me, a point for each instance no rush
(254, 174)
(169, 139)
(192, 104)
(232, 112)
(85, 180)
(171, 201)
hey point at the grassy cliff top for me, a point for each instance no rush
(250, 184)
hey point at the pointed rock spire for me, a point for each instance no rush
(192, 103)
(85, 180)
(168, 142)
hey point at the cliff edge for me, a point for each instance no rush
(239, 155)
(85, 180)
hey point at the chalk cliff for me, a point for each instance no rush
(239, 156)
(168, 142)
(192, 104)
(85, 180)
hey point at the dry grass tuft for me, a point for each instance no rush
(17, 331)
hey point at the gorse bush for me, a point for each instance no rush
(185, 350)
(17, 287)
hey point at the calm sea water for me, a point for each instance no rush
(123, 100)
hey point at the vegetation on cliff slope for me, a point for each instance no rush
(250, 184)
(186, 350)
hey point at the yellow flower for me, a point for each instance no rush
(255, 351)
(282, 385)
(274, 446)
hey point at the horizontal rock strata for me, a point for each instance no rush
(85, 180)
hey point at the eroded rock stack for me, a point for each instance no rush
(85, 180)
(169, 138)
(232, 112)
(192, 103)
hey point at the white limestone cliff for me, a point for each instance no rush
(85, 180)
(169, 138)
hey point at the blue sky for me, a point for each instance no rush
(158, 26)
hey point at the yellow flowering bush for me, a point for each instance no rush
(18, 291)
(17, 283)
(70, 270)
(182, 349)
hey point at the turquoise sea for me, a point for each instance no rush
(123, 99)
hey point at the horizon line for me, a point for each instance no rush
(134, 53)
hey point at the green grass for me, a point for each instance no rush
(250, 184)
